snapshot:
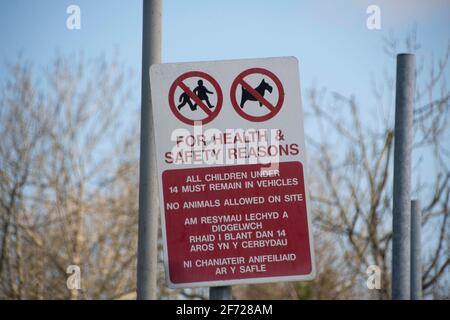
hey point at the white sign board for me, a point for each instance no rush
(230, 157)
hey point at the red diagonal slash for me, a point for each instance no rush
(199, 102)
(256, 94)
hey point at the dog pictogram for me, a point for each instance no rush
(258, 94)
(261, 89)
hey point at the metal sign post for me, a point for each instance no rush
(404, 102)
(416, 252)
(148, 189)
(220, 293)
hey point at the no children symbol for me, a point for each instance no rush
(196, 98)
(205, 99)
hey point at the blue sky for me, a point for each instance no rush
(330, 38)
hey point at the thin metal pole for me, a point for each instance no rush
(220, 293)
(404, 101)
(416, 252)
(148, 191)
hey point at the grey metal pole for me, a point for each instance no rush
(416, 252)
(148, 191)
(404, 102)
(220, 293)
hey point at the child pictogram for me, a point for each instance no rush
(204, 101)
(201, 92)
(184, 99)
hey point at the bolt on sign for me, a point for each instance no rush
(230, 157)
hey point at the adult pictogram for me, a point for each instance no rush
(257, 94)
(202, 109)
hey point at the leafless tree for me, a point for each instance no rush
(351, 152)
(332, 281)
(67, 180)
(69, 168)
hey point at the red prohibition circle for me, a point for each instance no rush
(273, 110)
(179, 83)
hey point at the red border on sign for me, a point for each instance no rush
(179, 83)
(273, 110)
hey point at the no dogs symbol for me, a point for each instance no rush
(259, 92)
(195, 98)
